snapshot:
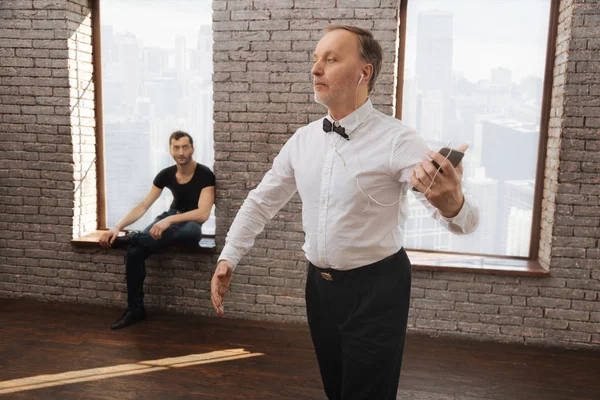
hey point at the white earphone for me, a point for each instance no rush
(361, 78)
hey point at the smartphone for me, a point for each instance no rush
(455, 158)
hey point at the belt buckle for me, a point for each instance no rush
(327, 276)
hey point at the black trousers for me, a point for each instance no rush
(358, 321)
(142, 246)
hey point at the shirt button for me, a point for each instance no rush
(323, 201)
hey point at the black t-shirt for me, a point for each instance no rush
(185, 197)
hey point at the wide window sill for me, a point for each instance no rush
(434, 261)
(207, 245)
(421, 260)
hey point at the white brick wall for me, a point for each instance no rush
(262, 93)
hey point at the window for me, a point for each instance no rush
(156, 79)
(474, 73)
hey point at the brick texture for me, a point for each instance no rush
(48, 170)
(262, 94)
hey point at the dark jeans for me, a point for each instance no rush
(142, 246)
(357, 321)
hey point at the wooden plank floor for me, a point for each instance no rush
(42, 339)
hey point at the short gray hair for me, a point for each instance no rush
(370, 49)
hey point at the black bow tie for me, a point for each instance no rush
(328, 127)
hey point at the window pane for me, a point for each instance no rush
(474, 74)
(156, 79)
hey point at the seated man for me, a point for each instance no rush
(193, 188)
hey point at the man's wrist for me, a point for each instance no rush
(223, 258)
(454, 208)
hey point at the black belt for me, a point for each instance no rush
(331, 274)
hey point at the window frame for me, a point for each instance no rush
(97, 70)
(100, 159)
(534, 244)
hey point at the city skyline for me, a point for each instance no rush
(496, 111)
(149, 92)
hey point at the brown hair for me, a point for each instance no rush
(178, 135)
(370, 49)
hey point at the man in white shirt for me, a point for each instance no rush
(352, 170)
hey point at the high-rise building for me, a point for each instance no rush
(156, 60)
(484, 191)
(180, 54)
(422, 231)
(107, 38)
(409, 100)
(128, 179)
(509, 152)
(509, 149)
(519, 235)
(531, 89)
(434, 52)
(201, 58)
(434, 72)
(502, 77)
(196, 111)
(517, 214)
(129, 59)
(432, 115)
(467, 111)
(163, 92)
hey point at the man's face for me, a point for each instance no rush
(182, 150)
(337, 68)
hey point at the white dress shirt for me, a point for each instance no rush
(344, 229)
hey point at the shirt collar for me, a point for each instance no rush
(351, 121)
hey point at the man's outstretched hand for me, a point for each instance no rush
(219, 285)
(445, 192)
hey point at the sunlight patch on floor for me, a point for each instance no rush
(142, 367)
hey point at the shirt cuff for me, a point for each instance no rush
(230, 254)
(460, 218)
